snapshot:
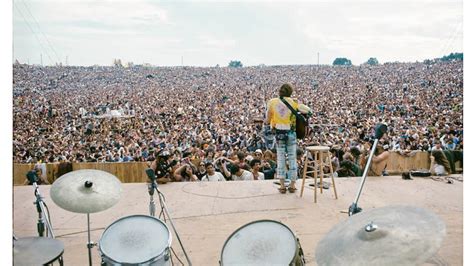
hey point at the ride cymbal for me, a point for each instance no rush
(393, 235)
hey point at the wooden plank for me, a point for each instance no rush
(134, 172)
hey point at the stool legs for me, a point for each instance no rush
(332, 176)
(321, 171)
(305, 168)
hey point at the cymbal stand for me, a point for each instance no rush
(90, 244)
(164, 211)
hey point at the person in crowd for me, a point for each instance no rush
(439, 163)
(255, 164)
(211, 174)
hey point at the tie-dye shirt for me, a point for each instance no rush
(280, 116)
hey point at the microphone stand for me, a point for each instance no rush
(379, 132)
(164, 211)
(353, 209)
(151, 191)
(42, 218)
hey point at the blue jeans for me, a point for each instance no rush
(287, 148)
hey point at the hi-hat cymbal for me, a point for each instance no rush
(86, 191)
(393, 235)
(36, 250)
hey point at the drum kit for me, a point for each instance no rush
(131, 240)
(393, 235)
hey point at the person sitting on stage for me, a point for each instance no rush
(379, 161)
(211, 174)
(439, 163)
(256, 165)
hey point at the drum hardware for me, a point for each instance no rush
(164, 210)
(401, 235)
(86, 191)
(380, 130)
(43, 217)
(262, 242)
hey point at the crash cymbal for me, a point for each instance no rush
(393, 235)
(86, 191)
(36, 250)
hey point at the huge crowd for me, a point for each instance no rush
(117, 114)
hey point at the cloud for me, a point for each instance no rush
(211, 41)
(97, 14)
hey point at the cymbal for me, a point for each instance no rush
(36, 250)
(398, 235)
(86, 191)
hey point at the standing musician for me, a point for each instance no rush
(283, 123)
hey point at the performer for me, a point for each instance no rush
(283, 122)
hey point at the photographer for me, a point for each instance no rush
(221, 164)
(162, 168)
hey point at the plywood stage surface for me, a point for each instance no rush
(205, 214)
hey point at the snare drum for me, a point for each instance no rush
(137, 240)
(263, 242)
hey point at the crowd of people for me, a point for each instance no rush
(196, 116)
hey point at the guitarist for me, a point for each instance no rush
(283, 122)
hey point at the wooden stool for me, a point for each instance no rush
(321, 158)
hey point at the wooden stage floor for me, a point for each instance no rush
(206, 214)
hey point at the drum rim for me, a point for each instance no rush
(148, 261)
(221, 262)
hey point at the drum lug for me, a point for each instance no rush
(167, 255)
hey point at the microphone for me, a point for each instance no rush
(32, 176)
(151, 174)
(380, 129)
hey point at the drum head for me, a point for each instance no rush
(263, 242)
(135, 239)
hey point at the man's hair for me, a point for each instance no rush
(233, 168)
(285, 90)
(254, 161)
(241, 155)
(208, 163)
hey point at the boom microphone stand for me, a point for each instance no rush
(380, 130)
(164, 210)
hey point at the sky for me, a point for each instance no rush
(207, 33)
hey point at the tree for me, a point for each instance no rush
(235, 63)
(341, 61)
(453, 56)
(372, 61)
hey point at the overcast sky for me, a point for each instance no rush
(205, 33)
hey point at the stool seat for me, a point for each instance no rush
(317, 148)
(321, 157)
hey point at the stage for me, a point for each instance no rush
(205, 214)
